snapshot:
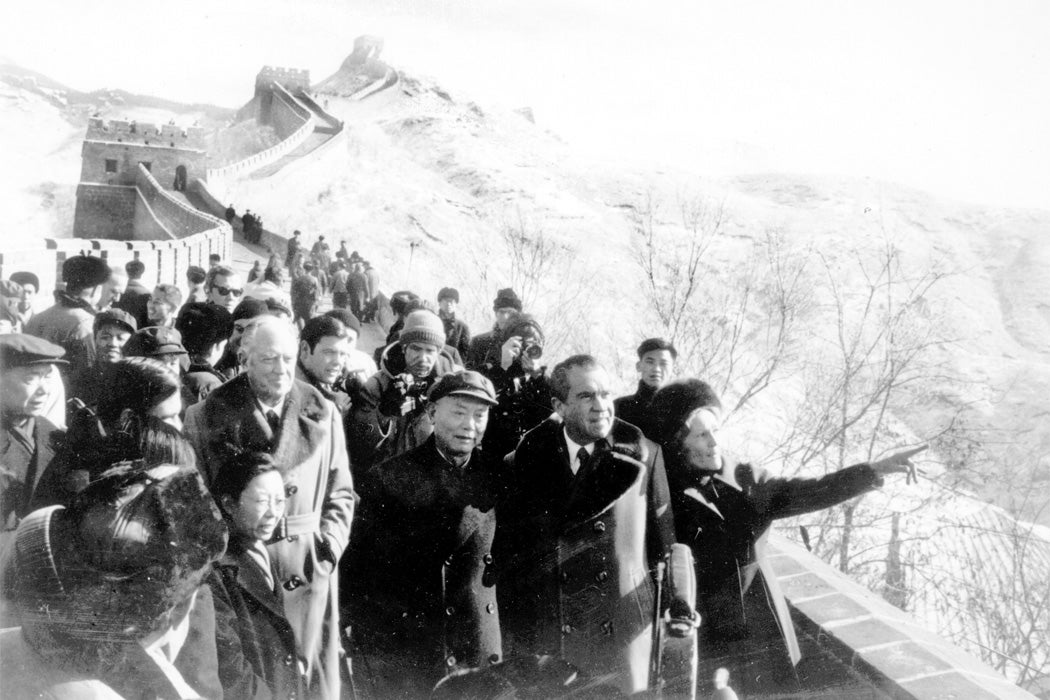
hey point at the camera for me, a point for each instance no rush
(532, 350)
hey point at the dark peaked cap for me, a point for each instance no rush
(83, 271)
(21, 350)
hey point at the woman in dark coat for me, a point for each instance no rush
(723, 511)
(255, 642)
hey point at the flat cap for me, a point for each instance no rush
(154, 341)
(10, 290)
(116, 317)
(250, 307)
(24, 278)
(465, 382)
(83, 271)
(21, 350)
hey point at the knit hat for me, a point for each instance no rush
(675, 402)
(449, 293)
(24, 278)
(84, 271)
(423, 327)
(506, 299)
(131, 546)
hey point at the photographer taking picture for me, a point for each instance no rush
(522, 386)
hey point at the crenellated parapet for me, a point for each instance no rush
(291, 79)
(144, 133)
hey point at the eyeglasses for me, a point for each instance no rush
(228, 291)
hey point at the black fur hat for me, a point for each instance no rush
(130, 547)
(675, 402)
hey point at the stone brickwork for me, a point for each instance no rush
(178, 218)
(874, 641)
(105, 211)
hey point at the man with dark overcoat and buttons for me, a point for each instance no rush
(422, 604)
(584, 517)
(266, 409)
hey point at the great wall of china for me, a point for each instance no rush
(148, 192)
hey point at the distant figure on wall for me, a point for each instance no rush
(180, 179)
(293, 249)
(230, 214)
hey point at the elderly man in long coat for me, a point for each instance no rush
(585, 517)
(266, 409)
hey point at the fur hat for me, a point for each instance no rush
(506, 298)
(423, 327)
(449, 293)
(130, 547)
(202, 325)
(84, 271)
(675, 402)
(399, 301)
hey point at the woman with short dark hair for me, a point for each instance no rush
(255, 642)
(723, 511)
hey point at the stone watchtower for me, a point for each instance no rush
(108, 203)
(113, 150)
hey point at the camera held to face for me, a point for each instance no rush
(532, 350)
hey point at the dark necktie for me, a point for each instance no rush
(584, 457)
(709, 491)
(274, 420)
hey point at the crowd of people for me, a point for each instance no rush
(216, 494)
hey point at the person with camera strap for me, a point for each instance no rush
(522, 386)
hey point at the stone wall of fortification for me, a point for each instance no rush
(166, 261)
(286, 114)
(105, 211)
(293, 79)
(177, 217)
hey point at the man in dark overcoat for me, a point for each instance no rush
(26, 436)
(424, 608)
(266, 409)
(584, 517)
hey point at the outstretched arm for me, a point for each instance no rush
(899, 463)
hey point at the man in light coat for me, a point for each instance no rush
(266, 409)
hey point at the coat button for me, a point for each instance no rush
(292, 538)
(607, 628)
(450, 661)
(564, 576)
(494, 659)
(601, 576)
(450, 611)
(448, 562)
(490, 608)
(566, 629)
(289, 660)
(487, 559)
(599, 526)
(293, 583)
(291, 490)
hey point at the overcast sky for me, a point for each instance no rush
(952, 96)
